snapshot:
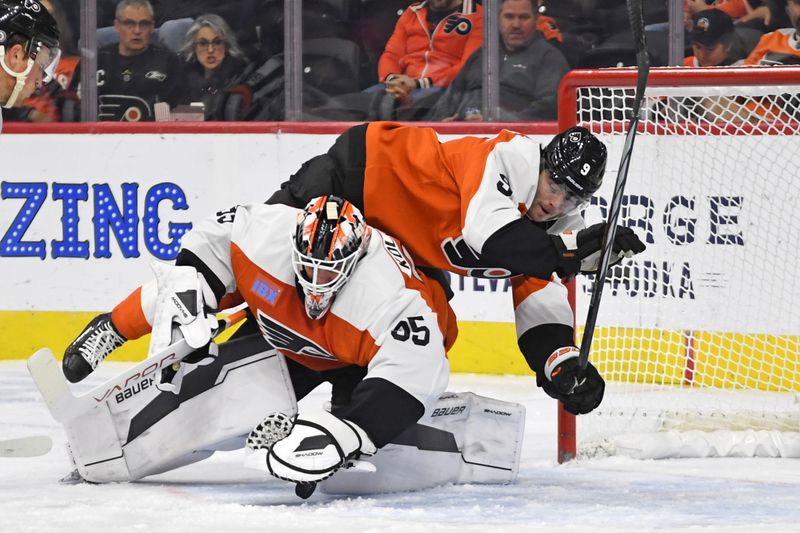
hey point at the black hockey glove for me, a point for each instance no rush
(580, 251)
(561, 380)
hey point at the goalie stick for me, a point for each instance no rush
(643, 67)
(46, 372)
(26, 446)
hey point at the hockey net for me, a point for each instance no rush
(698, 338)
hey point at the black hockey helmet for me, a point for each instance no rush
(28, 23)
(576, 158)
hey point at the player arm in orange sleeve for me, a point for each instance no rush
(389, 62)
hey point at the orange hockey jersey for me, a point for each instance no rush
(388, 316)
(444, 200)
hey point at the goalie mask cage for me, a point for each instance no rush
(697, 337)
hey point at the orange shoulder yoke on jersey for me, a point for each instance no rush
(418, 189)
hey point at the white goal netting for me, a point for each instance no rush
(699, 336)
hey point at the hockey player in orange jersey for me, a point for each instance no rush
(498, 207)
(335, 297)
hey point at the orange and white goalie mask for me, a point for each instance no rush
(329, 239)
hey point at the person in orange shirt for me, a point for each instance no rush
(782, 46)
(548, 26)
(431, 42)
(735, 9)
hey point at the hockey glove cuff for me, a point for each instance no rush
(579, 392)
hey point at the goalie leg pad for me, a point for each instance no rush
(318, 444)
(140, 431)
(465, 438)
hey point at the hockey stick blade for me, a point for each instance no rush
(49, 379)
(26, 446)
(643, 70)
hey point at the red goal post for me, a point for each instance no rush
(704, 135)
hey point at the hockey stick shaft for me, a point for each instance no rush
(643, 67)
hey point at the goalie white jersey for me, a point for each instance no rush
(388, 317)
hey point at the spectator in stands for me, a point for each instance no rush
(782, 46)
(529, 74)
(713, 40)
(431, 42)
(762, 15)
(213, 62)
(135, 74)
(735, 9)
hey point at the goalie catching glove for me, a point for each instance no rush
(579, 392)
(580, 251)
(308, 449)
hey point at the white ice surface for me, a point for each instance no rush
(219, 495)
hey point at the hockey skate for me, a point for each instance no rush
(94, 344)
